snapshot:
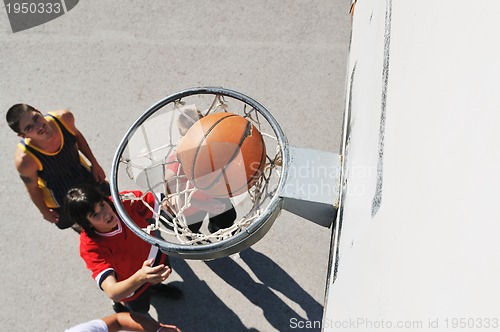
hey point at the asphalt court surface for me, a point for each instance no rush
(108, 61)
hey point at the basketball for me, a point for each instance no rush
(223, 154)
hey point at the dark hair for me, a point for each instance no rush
(80, 202)
(15, 113)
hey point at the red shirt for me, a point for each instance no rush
(121, 251)
(181, 184)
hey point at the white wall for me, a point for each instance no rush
(427, 260)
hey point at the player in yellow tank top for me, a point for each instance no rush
(45, 136)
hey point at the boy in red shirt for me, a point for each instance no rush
(124, 266)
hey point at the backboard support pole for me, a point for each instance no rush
(312, 185)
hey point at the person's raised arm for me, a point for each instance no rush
(136, 322)
(118, 290)
(83, 146)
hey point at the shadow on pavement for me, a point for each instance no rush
(275, 310)
(273, 276)
(202, 310)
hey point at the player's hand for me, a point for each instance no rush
(154, 274)
(51, 216)
(169, 328)
(98, 173)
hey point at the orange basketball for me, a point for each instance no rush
(223, 154)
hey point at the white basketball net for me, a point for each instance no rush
(150, 156)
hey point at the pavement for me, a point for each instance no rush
(108, 61)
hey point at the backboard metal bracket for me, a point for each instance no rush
(312, 185)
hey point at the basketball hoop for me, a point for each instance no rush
(146, 161)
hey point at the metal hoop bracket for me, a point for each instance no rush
(312, 185)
